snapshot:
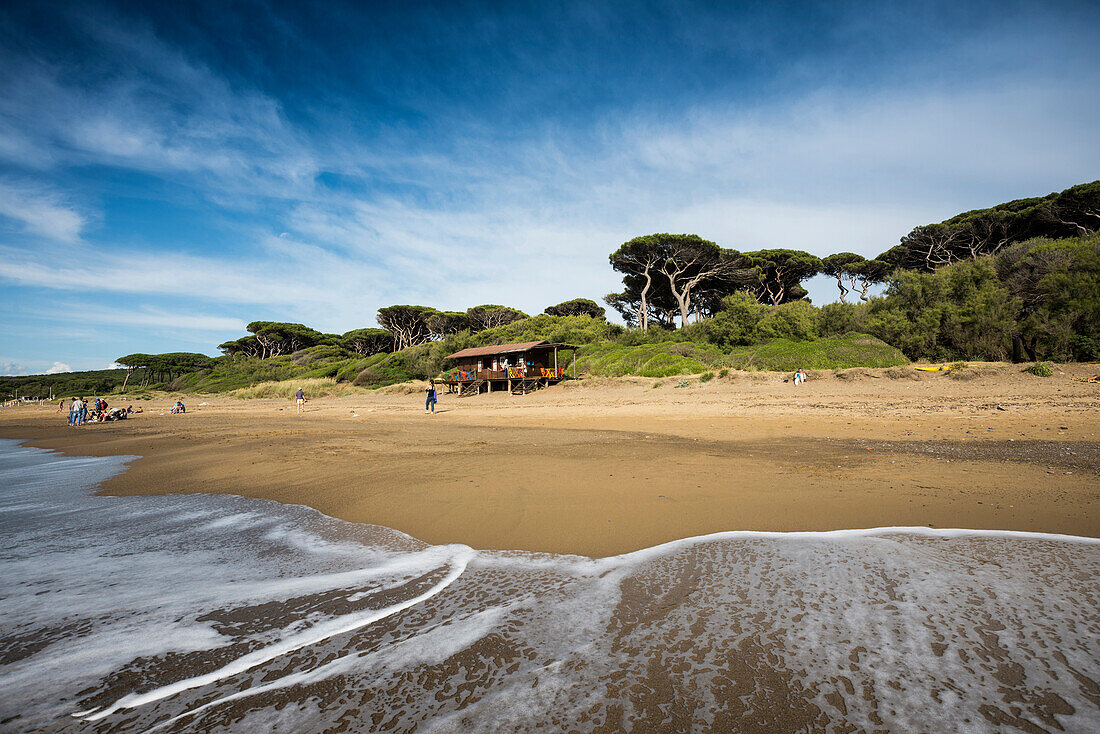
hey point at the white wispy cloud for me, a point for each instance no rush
(10, 368)
(528, 220)
(39, 210)
(146, 316)
(18, 368)
(167, 115)
(824, 174)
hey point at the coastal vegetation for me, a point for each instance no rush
(312, 387)
(63, 384)
(1017, 281)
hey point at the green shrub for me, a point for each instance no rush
(706, 377)
(723, 372)
(959, 311)
(348, 371)
(797, 320)
(367, 378)
(319, 352)
(667, 365)
(734, 325)
(1059, 280)
(837, 319)
(664, 359)
(1086, 347)
(561, 329)
(850, 350)
(1040, 369)
(654, 335)
(743, 321)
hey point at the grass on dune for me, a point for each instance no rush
(317, 387)
(838, 353)
(668, 359)
(663, 359)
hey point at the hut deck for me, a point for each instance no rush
(519, 368)
(517, 383)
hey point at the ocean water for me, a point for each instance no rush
(218, 613)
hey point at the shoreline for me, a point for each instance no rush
(278, 624)
(616, 466)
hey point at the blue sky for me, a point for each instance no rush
(169, 174)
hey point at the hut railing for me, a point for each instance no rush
(514, 373)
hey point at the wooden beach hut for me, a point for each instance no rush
(518, 368)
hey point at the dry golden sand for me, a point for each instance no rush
(606, 466)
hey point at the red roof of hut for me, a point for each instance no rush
(505, 349)
(499, 349)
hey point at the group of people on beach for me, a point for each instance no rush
(98, 412)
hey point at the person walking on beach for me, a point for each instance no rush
(76, 412)
(73, 412)
(61, 406)
(301, 398)
(429, 400)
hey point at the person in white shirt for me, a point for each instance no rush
(76, 412)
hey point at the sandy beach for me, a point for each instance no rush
(217, 612)
(602, 467)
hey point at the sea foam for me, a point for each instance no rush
(220, 613)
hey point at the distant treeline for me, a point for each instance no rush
(402, 327)
(62, 385)
(1020, 280)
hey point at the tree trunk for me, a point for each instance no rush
(843, 290)
(682, 300)
(1024, 350)
(1031, 347)
(643, 312)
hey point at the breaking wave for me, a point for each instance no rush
(220, 613)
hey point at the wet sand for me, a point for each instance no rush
(186, 613)
(608, 466)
